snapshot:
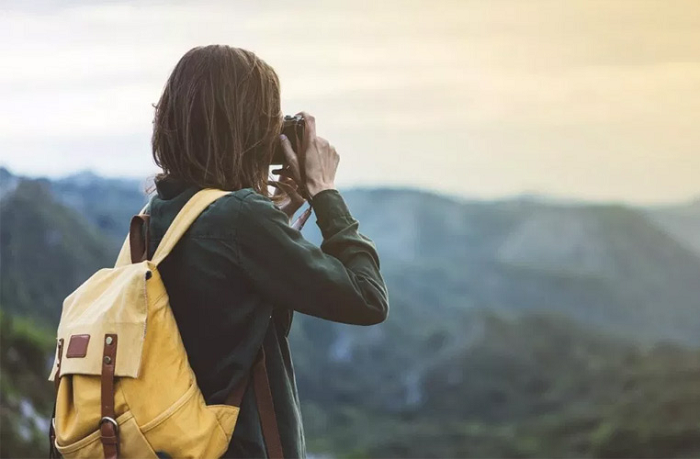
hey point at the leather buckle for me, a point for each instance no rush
(111, 421)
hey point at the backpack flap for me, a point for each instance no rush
(112, 301)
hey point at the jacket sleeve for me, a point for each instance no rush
(339, 282)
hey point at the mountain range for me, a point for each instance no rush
(507, 318)
(629, 270)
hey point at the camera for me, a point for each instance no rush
(293, 127)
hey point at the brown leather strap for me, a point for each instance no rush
(266, 408)
(299, 223)
(53, 452)
(265, 405)
(109, 431)
(235, 398)
(138, 237)
(57, 376)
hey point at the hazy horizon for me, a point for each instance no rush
(525, 195)
(583, 100)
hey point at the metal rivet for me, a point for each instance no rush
(108, 359)
(109, 340)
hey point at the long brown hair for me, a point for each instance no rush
(218, 120)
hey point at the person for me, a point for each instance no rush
(241, 270)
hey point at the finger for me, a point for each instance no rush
(289, 181)
(284, 178)
(288, 185)
(273, 183)
(291, 159)
(282, 186)
(291, 191)
(285, 173)
(310, 129)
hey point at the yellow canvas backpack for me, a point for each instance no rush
(124, 385)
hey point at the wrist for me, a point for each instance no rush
(314, 188)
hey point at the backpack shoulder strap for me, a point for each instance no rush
(187, 215)
(263, 400)
(124, 257)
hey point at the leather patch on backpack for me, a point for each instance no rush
(77, 346)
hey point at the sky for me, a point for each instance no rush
(592, 100)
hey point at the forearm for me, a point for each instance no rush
(340, 282)
(358, 255)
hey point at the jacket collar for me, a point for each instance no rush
(169, 188)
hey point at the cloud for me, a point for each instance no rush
(578, 98)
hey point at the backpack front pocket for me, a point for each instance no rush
(189, 428)
(132, 443)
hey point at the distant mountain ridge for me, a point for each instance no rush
(629, 270)
(606, 265)
(680, 221)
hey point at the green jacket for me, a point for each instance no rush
(234, 281)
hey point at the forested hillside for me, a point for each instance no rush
(535, 386)
(46, 251)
